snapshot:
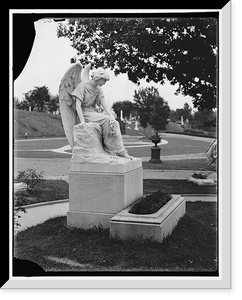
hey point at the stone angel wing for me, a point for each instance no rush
(72, 77)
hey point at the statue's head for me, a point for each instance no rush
(100, 76)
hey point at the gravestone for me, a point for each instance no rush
(101, 183)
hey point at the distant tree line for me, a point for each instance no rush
(38, 99)
(148, 107)
(151, 109)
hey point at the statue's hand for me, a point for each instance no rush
(82, 124)
(113, 126)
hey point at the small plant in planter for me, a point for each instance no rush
(155, 138)
(150, 203)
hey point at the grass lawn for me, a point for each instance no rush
(176, 186)
(192, 247)
(183, 164)
(50, 190)
(36, 124)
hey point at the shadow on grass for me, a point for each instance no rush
(176, 186)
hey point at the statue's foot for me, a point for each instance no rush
(125, 155)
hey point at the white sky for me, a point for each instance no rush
(50, 58)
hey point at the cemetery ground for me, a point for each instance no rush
(52, 157)
(191, 248)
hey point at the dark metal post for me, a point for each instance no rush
(155, 152)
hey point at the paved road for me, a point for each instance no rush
(52, 155)
(171, 145)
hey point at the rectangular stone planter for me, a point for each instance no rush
(156, 226)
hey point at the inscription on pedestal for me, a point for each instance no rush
(133, 186)
(133, 178)
(107, 193)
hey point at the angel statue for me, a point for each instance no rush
(93, 136)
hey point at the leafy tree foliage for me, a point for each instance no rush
(126, 106)
(181, 50)
(53, 103)
(143, 100)
(38, 98)
(159, 114)
(20, 104)
(186, 112)
(204, 119)
(151, 108)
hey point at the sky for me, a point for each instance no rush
(50, 58)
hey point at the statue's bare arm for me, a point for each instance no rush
(106, 108)
(79, 110)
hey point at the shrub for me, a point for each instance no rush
(150, 203)
(18, 202)
(30, 177)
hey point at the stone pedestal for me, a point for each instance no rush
(155, 152)
(155, 155)
(97, 192)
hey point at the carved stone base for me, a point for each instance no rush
(97, 192)
(88, 220)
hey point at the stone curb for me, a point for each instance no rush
(199, 195)
(45, 203)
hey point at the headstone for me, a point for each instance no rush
(97, 192)
(136, 126)
(121, 115)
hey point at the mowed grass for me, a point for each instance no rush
(183, 164)
(47, 190)
(50, 190)
(36, 124)
(176, 186)
(192, 247)
(175, 146)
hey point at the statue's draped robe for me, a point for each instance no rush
(100, 139)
